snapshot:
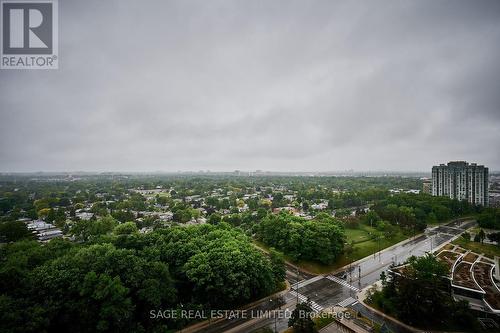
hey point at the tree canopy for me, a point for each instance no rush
(112, 283)
(321, 239)
(420, 295)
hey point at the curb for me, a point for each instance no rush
(201, 325)
(340, 269)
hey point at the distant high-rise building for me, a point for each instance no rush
(427, 186)
(462, 181)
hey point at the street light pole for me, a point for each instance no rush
(379, 247)
(297, 288)
(274, 315)
(350, 275)
(275, 329)
(359, 274)
(182, 306)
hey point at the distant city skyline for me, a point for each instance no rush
(414, 173)
(288, 86)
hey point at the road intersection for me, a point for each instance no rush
(341, 288)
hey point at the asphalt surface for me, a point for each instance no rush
(330, 290)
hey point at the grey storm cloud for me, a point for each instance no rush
(273, 85)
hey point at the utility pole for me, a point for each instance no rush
(274, 315)
(359, 274)
(379, 247)
(182, 306)
(297, 288)
(350, 275)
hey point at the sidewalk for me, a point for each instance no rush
(201, 325)
(243, 327)
(342, 325)
(400, 244)
(361, 295)
(369, 257)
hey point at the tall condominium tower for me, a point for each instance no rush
(462, 181)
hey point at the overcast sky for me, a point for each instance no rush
(271, 85)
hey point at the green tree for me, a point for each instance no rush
(277, 265)
(229, 272)
(301, 320)
(87, 230)
(126, 228)
(320, 240)
(12, 231)
(110, 297)
(214, 218)
(489, 218)
(495, 237)
(481, 235)
(371, 218)
(419, 294)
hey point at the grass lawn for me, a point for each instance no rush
(309, 266)
(358, 235)
(363, 246)
(489, 250)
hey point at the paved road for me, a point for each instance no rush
(330, 290)
(293, 274)
(371, 267)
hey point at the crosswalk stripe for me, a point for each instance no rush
(347, 301)
(315, 306)
(342, 282)
(304, 283)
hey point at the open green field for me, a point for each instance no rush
(363, 246)
(359, 235)
(489, 250)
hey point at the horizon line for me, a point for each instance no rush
(210, 171)
(234, 171)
